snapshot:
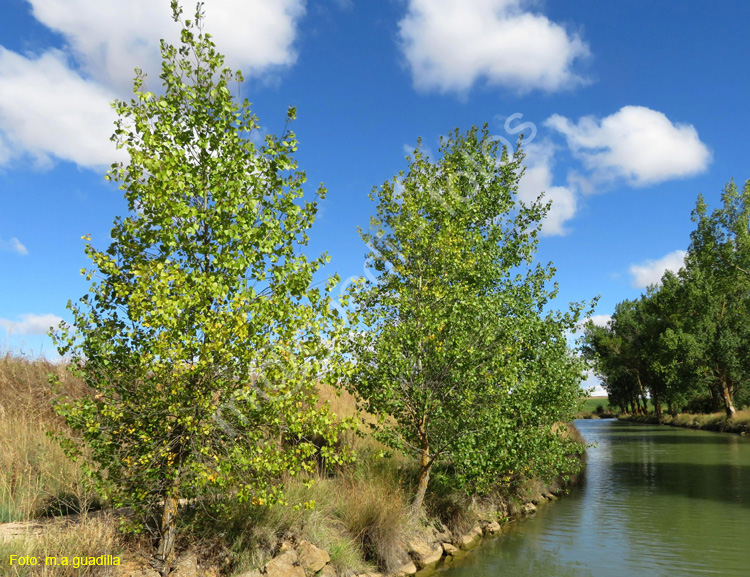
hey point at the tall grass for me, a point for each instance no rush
(24, 385)
(90, 537)
(361, 514)
(707, 421)
(36, 478)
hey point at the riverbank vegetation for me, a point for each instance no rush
(684, 344)
(217, 390)
(707, 421)
(361, 514)
(477, 376)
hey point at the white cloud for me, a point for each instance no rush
(110, 40)
(600, 320)
(31, 324)
(13, 245)
(595, 383)
(48, 111)
(452, 44)
(636, 143)
(651, 271)
(538, 178)
(57, 105)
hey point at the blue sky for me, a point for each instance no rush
(630, 110)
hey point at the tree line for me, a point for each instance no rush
(685, 343)
(204, 335)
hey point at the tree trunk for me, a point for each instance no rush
(424, 479)
(726, 394)
(168, 531)
(657, 407)
(716, 398)
(643, 410)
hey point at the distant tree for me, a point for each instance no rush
(671, 353)
(686, 340)
(202, 338)
(645, 352)
(717, 293)
(458, 359)
(616, 352)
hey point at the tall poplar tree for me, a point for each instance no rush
(716, 281)
(687, 339)
(202, 337)
(459, 359)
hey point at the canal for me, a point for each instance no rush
(655, 502)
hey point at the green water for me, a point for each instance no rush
(655, 502)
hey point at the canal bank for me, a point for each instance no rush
(428, 550)
(654, 501)
(717, 422)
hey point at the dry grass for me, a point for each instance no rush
(362, 523)
(91, 537)
(24, 386)
(341, 402)
(713, 421)
(710, 421)
(360, 517)
(377, 516)
(35, 475)
(361, 514)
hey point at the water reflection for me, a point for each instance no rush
(655, 501)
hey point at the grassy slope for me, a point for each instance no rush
(361, 517)
(590, 403)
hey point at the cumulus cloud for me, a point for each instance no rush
(56, 105)
(13, 245)
(651, 271)
(48, 111)
(450, 45)
(538, 178)
(598, 320)
(31, 324)
(594, 384)
(253, 34)
(601, 320)
(635, 143)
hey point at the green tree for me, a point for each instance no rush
(672, 351)
(458, 358)
(202, 338)
(637, 354)
(686, 340)
(716, 286)
(614, 351)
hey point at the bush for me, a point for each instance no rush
(704, 404)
